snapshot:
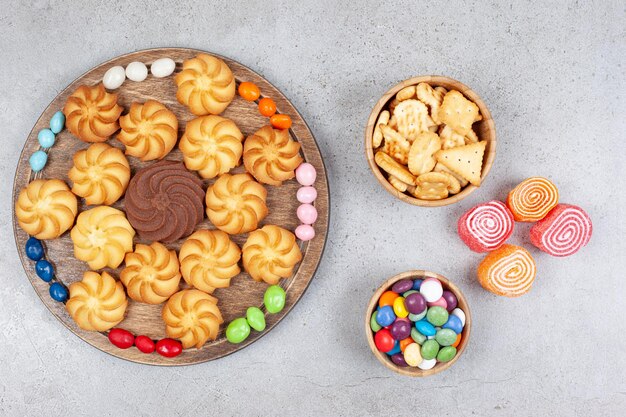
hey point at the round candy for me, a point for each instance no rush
(437, 316)
(431, 289)
(445, 337)
(267, 107)
(508, 271)
(409, 292)
(418, 317)
(451, 301)
(44, 270)
(373, 323)
(249, 91)
(402, 286)
(57, 122)
(169, 348)
(417, 283)
(280, 121)
(306, 174)
(306, 194)
(46, 138)
(427, 364)
(395, 349)
(306, 213)
(399, 307)
(563, 231)
(457, 341)
(121, 338)
(38, 160)
(413, 355)
(238, 330)
(387, 298)
(405, 342)
(384, 341)
(401, 329)
(255, 318)
(446, 354)
(114, 77)
(136, 71)
(162, 67)
(460, 314)
(532, 199)
(439, 303)
(415, 303)
(430, 348)
(58, 292)
(34, 249)
(398, 359)
(417, 336)
(274, 299)
(486, 227)
(145, 344)
(425, 328)
(453, 323)
(385, 316)
(305, 232)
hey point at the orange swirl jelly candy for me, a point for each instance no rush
(532, 199)
(508, 271)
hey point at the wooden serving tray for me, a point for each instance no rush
(243, 292)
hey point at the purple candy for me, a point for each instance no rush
(450, 299)
(401, 329)
(398, 359)
(402, 286)
(416, 303)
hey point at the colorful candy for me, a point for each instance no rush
(169, 348)
(399, 307)
(430, 348)
(451, 301)
(387, 298)
(413, 354)
(121, 338)
(460, 314)
(145, 344)
(238, 330)
(58, 292)
(384, 341)
(508, 271)
(57, 122)
(34, 249)
(532, 199)
(486, 227)
(454, 323)
(431, 289)
(249, 91)
(401, 329)
(306, 174)
(445, 337)
(425, 328)
(136, 71)
(437, 316)
(305, 232)
(44, 270)
(385, 316)
(415, 303)
(565, 230)
(46, 138)
(306, 194)
(280, 121)
(307, 214)
(162, 67)
(114, 77)
(255, 318)
(274, 299)
(38, 160)
(446, 354)
(267, 107)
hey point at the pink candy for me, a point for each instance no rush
(306, 194)
(307, 214)
(440, 302)
(305, 232)
(486, 227)
(565, 230)
(306, 174)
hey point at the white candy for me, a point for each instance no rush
(427, 364)
(162, 67)
(431, 289)
(460, 314)
(114, 77)
(136, 71)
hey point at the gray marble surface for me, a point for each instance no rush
(552, 74)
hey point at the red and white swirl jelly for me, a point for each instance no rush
(486, 227)
(565, 230)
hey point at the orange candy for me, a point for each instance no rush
(405, 342)
(281, 121)
(387, 298)
(249, 91)
(267, 107)
(457, 341)
(508, 271)
(532, 199)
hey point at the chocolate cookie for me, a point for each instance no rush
(164, 201)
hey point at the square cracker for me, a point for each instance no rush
(467, 161)
(457, 112)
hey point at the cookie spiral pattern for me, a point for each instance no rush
(236, 203)
(271, 156)
(486, 227)
(192, 316)
(149, 131)
(46, 208)
(151, 274)
(206, 85)
(92, 114)
(565, 230)
(270, 254)
(508, 271)
(211, 145)
(164, 201)
(102, 236)
(100, 174)
(98, 302)
(208, 260)
(532, 199)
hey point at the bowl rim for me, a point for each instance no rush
(449, 83)
(415, 371)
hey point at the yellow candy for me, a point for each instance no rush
(412, 354)
(400, 308)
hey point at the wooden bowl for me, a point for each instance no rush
(485, 129)
(447, 285)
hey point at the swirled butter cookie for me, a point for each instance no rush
(92, 114)
(270, 254)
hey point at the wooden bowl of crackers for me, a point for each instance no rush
(430, 141)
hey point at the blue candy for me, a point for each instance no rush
(44, 270)
(417, 284)
(385, 316)
(395, 349)
(38, 160)
(58, 292)
(34, 249)
(425, 328)
(57, 122)
(46, 138)
(454, 323)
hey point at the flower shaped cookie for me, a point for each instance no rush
(270, 254)
(271, 156)
(211, 145)
(206, 85)
(149, 130)
(236, 203)
(91, 113)
(208, 260)
(192, 317)
(102, 236)
(100, 174)
(98, 302)
(46, 208)
(151, 274)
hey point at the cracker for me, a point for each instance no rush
(406, 93)
(455, 184)
(392, 167)
(471, 137)
(393, 123)
(467, 161)
(423, 148)
(412, 118)
(432, 97)
(393, 104)
(395, 145)
(397, 184)
(383, 118)
(442, 168)
(449, 138)
(432, 186)
(457, 112)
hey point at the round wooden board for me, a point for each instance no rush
(282, 203)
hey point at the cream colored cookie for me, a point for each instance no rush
(270, 253)
(92, 114)
(271, 156)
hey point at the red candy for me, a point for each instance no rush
(383, 340)
(121, 338)
(169, 348)
(145, 344)
(565, 230)
(486, 227)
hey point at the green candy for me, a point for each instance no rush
(446, 354)
(274, 299)
(418, 317)
(373, 323)
(255, 318)
(445, 337)
(408, 293)
(417, 336)
(430, 348)
(437, 316)
(238, 330)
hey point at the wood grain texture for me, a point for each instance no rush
(447, 285)
(243, 292)
(485, 129)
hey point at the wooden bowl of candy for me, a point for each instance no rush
(418, 323)
(430, 141)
